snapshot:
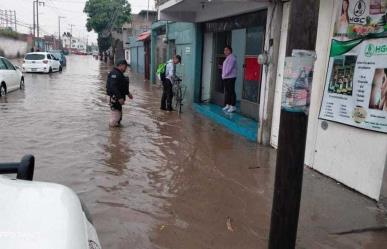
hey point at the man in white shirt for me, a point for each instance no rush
(170, 74)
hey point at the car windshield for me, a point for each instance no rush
(57, 55)
(35, 57)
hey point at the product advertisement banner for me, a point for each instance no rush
(356, 85)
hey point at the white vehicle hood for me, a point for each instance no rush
(38, 215)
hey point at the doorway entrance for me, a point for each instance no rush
(222, 39)
(246, 35)
(252, 75)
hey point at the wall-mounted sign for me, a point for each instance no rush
(187, 50)
(356, 85)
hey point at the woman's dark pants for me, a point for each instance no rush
(229, 91)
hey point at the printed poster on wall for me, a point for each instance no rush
(356, 85)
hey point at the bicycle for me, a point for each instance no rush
(178, 94)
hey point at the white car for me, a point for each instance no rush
(11, 78)
(41, 62)
(40, 215)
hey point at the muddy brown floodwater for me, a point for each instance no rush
(162, 181)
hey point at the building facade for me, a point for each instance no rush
(170, 38)
(73, 44)
(256, 28)
(136, 40)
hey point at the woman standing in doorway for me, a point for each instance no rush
(229, 73)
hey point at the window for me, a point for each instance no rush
(2, 65)
(57, 55)
(8, 64)
(34, 57)
(49, 57)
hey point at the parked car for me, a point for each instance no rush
(60, 55)
(11, 77)
(41, 62)
(77, 52)
(37, 215)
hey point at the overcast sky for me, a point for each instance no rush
(72, 10)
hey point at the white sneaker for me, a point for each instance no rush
(231, 109)
(226, 107)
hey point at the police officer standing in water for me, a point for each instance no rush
(117, 87)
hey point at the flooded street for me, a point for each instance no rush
(164, 181)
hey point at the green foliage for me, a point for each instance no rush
(104, 43)
(103, 16)
(9, 33)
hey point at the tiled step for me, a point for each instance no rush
(235, 122)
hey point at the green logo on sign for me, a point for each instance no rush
(370, 50)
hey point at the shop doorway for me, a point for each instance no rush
(221, 39)
(246, 35)
(207, 68)
(247, 44)
(147, 58)
(252, 75)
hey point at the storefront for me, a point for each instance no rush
(251, 28)
(246, 35)
(347, 131)
(170, 38)
(347, 137)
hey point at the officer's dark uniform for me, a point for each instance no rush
(117, 86)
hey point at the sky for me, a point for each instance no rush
(72, 10)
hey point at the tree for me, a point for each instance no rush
(103, 16)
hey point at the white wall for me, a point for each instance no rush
(269, 75)
(12, 47)
(279, 80)
(191, 11)
(213, 11)
(350, 155)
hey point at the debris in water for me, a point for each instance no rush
(229, 225)
(254, 167)
(162, 227)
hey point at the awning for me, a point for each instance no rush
(144, 36)
(205, 10)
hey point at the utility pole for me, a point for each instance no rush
(71, 35)
(1, 18)
(59, 34)
(147, 15)
(33, 13)
(292, 136)
(37, 16)
(6, 18)
(14, 20)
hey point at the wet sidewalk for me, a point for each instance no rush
(164, 181)
(213, 177)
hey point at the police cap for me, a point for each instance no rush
(121, 62)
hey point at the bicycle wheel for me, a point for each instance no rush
(178, 100)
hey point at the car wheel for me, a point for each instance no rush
(60, 69)
(50, 70)
(3, 89)
(21, 84)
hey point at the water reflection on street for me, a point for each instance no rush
(160, 181)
